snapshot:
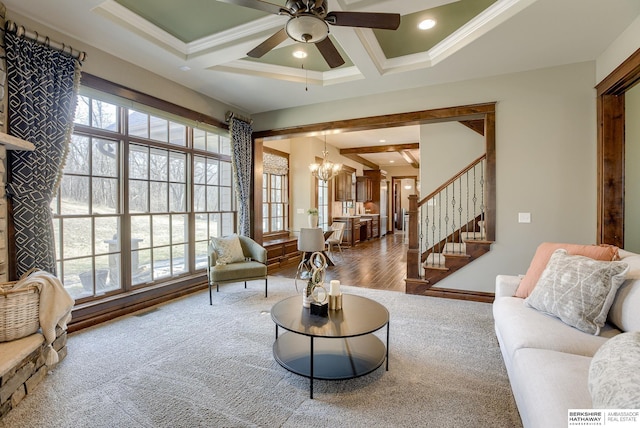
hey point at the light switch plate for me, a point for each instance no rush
(524, 217)
(300, 210)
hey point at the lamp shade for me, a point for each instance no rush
(307, 29)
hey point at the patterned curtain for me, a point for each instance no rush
(242, 166)
(42, 88)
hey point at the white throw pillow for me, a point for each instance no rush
(228, 249)
(614, 373)
(578, 290)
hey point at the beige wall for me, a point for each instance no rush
(545, 150)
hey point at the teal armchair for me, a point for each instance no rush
(253, 267)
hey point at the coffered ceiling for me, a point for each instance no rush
(203, 45)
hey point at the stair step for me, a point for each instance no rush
(434, 261)
(471, 236)
(454, 248)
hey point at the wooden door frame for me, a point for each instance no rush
(398, 179)
(611, 149)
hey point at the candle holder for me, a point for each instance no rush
(335, 302)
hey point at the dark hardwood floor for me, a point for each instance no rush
(377, 263)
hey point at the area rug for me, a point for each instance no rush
(189, 364)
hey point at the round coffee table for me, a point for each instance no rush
(339, 346)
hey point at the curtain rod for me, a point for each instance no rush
(230, 115)
(20, 31)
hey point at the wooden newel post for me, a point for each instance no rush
(413, 253)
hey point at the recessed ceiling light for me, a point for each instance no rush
(427, 24)
(185, 68)
(383, 141)
(391, 161)
(300, 54)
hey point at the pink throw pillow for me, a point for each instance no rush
(602, 252)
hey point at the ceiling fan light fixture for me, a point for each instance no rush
(300, 54)
(307, 29)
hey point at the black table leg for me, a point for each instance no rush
(311, 370)
(387, 346)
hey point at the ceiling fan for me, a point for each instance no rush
(308, 23)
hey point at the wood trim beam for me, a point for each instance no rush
(381, 149)
(361, 160)
(474, 111)
(475, 125)
(406, 154)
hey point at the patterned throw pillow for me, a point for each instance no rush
(614, 374)
(578, 290)
(228, 249)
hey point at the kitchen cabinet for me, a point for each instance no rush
(364, 189)
(351, 234)
(373, 227)
(344, 187)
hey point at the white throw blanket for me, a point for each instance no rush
(55, 307)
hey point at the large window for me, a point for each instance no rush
(141, 193)
(275, 192)
(323, 204)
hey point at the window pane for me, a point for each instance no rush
(202, 229)
(225, 145)
(140, 231)
(78, 156)
(107, 273)
(159, 129)
(104, 115)
(177, 167)
(138, 124)
(225, 174)
(179, 229)
(159, 162)
(177, 133)
(201, 255)
(177, 197)
(161, 262)
(74, 195)
(212, 172)
(78, 277)
(105, 158)
(160, 200)
(212, 142)
(199, 139)
(138, 196)
(199, 170)
(226, 203)
(76, 233)
(161, 232)
(138, 162)
(213, 204)
(199, 198)
(179, 259)
(215, 225)
(107, 235)
(105, 196)
(140, 266)
(82, 111)
(228, 224)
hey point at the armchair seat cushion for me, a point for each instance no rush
(237, 272)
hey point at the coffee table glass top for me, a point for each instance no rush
(358, 316)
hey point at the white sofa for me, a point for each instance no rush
(547, 360)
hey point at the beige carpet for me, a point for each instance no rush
(188, 364)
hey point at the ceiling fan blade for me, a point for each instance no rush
(268, 44)
(258, 5)
(385, 21)
(330, 53)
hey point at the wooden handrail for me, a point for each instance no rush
(452, 179)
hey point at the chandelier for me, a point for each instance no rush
(327, 169)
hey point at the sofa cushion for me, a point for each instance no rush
(546, 384)
(228, 273)
(519, 326)
(578, 290)
(544, 252)
(614, 375)
(624, 312)
(228, 249)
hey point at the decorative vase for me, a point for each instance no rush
(313, 220)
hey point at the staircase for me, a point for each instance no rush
(448, 229)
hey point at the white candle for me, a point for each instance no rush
(334, 287)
